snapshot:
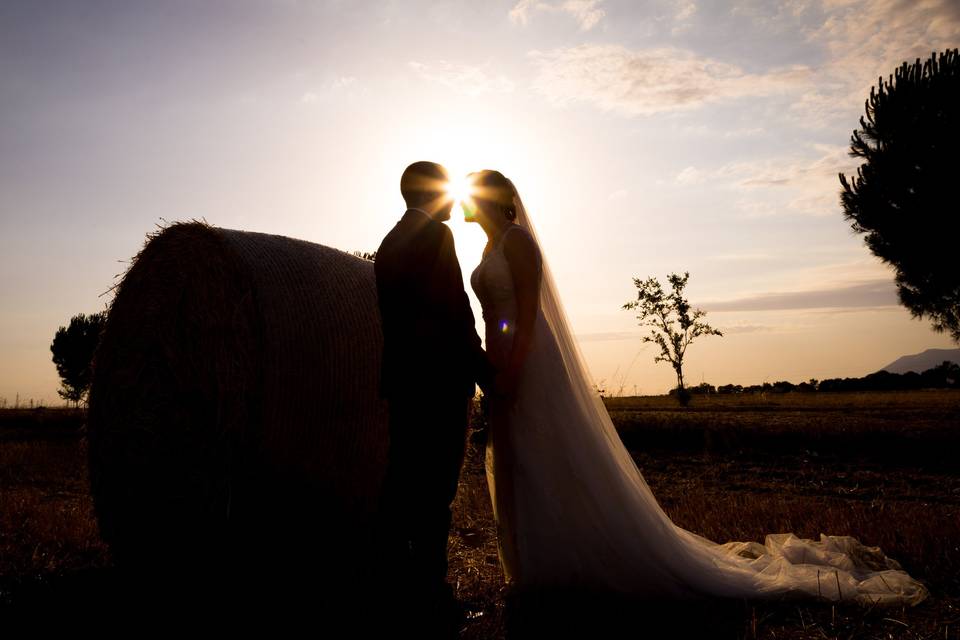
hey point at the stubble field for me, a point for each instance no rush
(878, 466)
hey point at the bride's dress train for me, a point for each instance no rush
(572, 509)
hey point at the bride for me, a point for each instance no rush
(571, 507)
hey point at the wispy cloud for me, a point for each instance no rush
(808, 185)
(742, 257)
(637, 336)
(860, 40)
(872, 294)
(649, 81)
(470, 80)
(813, 184)
(744, 328)
(689, 175)
(330, 88)
(587, 13)
(604, 336)
(865, 39)
(714, 131)
(686, 9)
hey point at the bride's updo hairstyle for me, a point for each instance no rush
(493, 187)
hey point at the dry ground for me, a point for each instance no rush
(878, 466)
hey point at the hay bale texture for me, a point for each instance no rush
(234, 421)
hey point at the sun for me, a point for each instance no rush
(459, 188)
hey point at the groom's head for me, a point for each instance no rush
(425, 185)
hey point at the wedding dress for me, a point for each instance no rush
(572, 509)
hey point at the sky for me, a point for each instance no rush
(644, 137)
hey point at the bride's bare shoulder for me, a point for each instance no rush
(520, 236)
(520, 245)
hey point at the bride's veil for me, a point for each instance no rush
(588, 399)
(550, 302)
(736, 569)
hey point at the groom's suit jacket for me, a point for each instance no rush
(430, 343)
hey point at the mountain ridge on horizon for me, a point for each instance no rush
(920, 362)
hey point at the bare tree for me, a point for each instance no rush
(672, 325)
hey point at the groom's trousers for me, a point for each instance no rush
(427, 446)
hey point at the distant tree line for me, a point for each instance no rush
(366, 255)
(943, 376)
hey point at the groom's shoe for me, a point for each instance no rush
(442, 614)
(449, 618)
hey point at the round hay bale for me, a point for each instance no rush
(234, 422)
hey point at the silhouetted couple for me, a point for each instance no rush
(571, 507)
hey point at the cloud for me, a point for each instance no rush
(690, 175)
(685, 10)
(605, 336)
(814, 183)
(333, 86)
(702, 130)
(469, 80)
(857, 41)
(341, 82)
(866, 39)
(871, 294)
(840, 311)
(649, 81)
(744, 328)
(742, 257)
(637, 336)
(586, 12)
(804, 185)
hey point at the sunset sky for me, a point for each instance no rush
(645, 137)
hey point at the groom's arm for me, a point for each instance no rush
(462, 315)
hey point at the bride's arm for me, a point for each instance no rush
(524, 260)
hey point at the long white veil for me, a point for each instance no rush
(574, 364)
(644, 549)
(550, 304)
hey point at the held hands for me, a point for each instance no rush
(486, 375)
(505, 383)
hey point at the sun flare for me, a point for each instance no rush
(465, 142)
(459, 188)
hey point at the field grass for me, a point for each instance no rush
(46, 512)
(878, 466)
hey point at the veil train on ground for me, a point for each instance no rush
(633, 526)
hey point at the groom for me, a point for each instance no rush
(431, 359)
